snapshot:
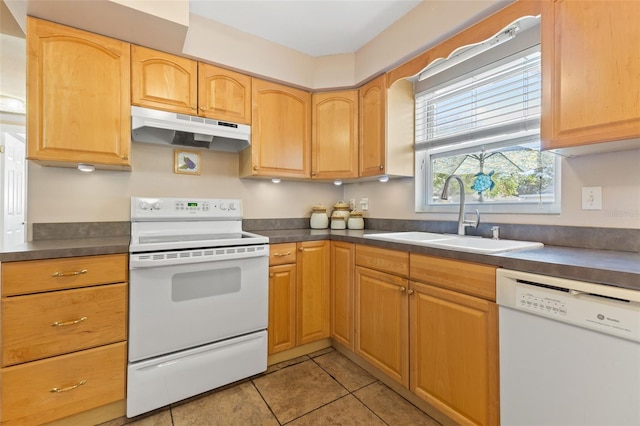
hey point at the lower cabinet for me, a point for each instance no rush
(299, 301)
(63, 326)
(382, 310)
(343, 293)
(454, 341)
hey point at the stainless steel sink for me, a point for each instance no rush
(467, 244)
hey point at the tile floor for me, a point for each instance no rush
(323, 388)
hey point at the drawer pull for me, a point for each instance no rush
(282, 254)
(61, 324)
(58, 390)
(69, 274)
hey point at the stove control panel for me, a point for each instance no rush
(159, 209)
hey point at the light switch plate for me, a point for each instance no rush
(592, 198)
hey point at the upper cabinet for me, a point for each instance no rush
(78, 97)
(281, 132)
(372, 127)
(163, 81)
(172, 83)
(224, 94)
(334, 139)
(386, 128)
(591, 65)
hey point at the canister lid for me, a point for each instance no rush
(356, 213)
(341, 205)
(319, 208)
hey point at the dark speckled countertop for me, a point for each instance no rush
(618, 268)
(609, 267)
(50, 249)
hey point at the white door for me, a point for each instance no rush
(13, 168)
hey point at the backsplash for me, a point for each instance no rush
(564, 236)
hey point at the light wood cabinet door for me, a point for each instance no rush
(591, 64)
(313, 287)
(37, 276)
(382, 322)
(454, 353)
(334, 139)
(42, 391)
(342, 292)
(282, 308)
(78, 97)
(373, 127)
(223, 94)
(281, 132)
(163, 81)
(47, 324)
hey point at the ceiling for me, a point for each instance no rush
(314, 27)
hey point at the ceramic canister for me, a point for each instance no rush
(319, 218)
(355, 220)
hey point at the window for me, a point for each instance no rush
(484, 126)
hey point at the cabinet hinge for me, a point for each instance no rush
(1, 149)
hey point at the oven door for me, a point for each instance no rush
(179, 306)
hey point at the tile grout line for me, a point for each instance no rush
(265, 401)
(352, 393)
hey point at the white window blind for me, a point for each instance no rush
(496, 102)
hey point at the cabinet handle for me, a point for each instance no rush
(403, 289)
(410, 292)
(301, 249)
(282, 254)
(203, 109)
(193, 107)
(255, 167)
(381, 167)
(313, 173)
(125, 157)
(271, 275)
(67, 389)
(69, 274)
(62, 324)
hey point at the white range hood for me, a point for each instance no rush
(169, 128)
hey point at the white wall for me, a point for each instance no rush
(618, 174)
(67, 195)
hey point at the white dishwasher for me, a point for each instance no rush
(569, 352)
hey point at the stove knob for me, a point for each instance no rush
(232, 206)
(156, 206)
(223, 206)
(143, 205)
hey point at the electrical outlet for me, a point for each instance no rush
(592, 198)
(364, 204)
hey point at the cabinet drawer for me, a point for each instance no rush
(29, 393)
(465, 277)
(85, 318)
(35, 276)
(391, 261)
(281, 254)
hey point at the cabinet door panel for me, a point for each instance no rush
(163, 81)
(224, 94)
(334, 142)
(372, 127)
(282, 308)
(29, 333)
(382, 318)
(78, 96)
(342, 292)
(313, 291)
(26, 393)
(454, 353)
(590, 72)
(281, 133)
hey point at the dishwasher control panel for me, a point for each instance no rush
(610, 310)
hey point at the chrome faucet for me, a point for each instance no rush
(462, 223)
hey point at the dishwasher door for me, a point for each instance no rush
(569, 352)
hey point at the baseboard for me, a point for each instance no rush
(299, 351)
